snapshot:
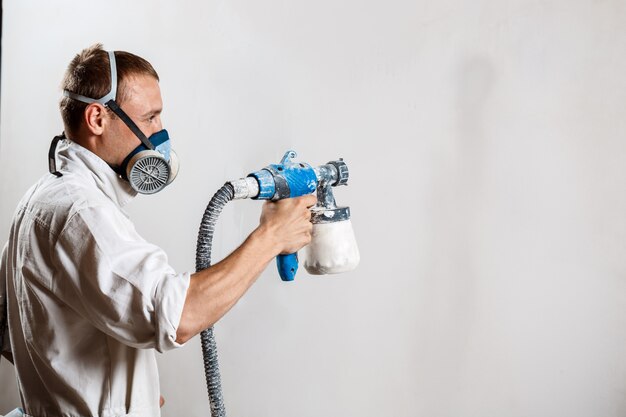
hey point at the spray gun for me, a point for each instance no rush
(332, 249)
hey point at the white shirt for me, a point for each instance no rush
(88, 299)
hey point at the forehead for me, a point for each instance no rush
(141, 93)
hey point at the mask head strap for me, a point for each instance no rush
(109, 96)
(109, 101)
(112, 104)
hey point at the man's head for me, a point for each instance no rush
(88, 74)
(94, 125)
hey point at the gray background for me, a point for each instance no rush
(486, 142)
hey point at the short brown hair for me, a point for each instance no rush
(89, 74)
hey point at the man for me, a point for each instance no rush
(87, 298)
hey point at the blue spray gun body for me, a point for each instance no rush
(289, 179)
(286, 180)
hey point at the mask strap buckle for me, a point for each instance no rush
(52, 162)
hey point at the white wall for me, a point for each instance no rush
(487, 147)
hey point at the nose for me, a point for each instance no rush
(153, 127)
(158, 125)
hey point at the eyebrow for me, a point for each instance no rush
(151, 112)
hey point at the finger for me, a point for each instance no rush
(309, 200)
(308, 237)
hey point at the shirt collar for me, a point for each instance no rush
(77, 159)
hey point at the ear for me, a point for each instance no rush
(94, 118)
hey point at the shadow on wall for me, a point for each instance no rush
(474, 79)
(458, 184)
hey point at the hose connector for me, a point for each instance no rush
(245, 188)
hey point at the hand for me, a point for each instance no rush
(288, 223)
(161, 401)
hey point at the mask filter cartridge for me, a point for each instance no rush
(150, 170)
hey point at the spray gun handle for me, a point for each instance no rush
(287, 266)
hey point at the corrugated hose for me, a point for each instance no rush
(203, 261)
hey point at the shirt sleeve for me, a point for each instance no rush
(119, 282)
(5, 343)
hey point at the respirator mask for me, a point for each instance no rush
(153, 164)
